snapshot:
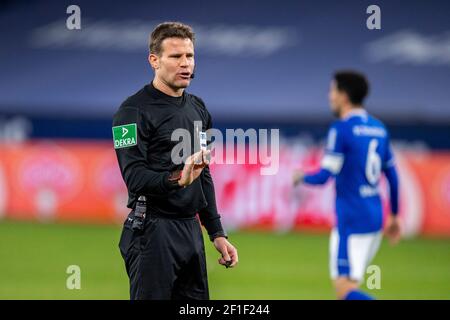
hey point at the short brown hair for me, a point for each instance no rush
(169, 30)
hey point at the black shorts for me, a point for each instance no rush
(166, 260)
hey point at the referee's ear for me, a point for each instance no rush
(153, 59)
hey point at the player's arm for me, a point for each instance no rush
(390, 171)
(392, 230)
(331, 163)
(132, 157)
(392, 178)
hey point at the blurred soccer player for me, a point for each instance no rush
(357, 151)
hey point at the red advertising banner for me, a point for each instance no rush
(81, 181)
(62, 181)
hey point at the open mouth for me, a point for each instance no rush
(185, 75)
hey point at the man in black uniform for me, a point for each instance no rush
(161, 241)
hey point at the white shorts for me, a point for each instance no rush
(351, 254)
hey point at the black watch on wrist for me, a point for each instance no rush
(174, 177)
(217, 235)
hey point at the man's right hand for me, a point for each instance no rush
(193, 167)
(392, 230)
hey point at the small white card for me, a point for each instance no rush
(203, 140)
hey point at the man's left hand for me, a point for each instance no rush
(229, 252)
(297, 177)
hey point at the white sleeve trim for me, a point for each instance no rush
(333, 162)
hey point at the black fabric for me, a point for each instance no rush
(146, 166)
(166, 260)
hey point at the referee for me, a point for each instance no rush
(161, 242)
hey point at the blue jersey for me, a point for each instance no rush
(357, 152)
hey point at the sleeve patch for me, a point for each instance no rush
(125, 136)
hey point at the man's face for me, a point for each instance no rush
(175, 64)
(336, 98)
